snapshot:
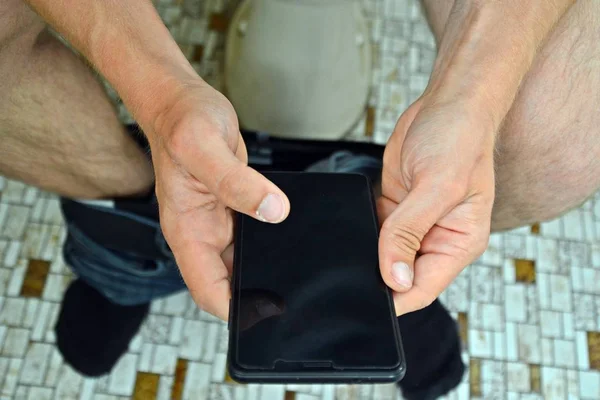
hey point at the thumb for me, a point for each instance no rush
(234, 183)
(402, 234)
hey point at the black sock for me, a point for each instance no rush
(92, 333)
(433, 355)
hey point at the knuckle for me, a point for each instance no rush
(228, 185)
(405, 239)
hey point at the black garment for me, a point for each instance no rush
(433, 353)
(92, 333)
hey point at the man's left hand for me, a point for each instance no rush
(436, 203)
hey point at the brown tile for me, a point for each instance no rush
(593, 341)
(535, 229)
(178, 381)
(218, 22)
(198, 53)
(35, 278)
(475, 377)
(146, 386)
(370, 122)
(535, 378)
(525, 270)
(463, 329)
(290, 395)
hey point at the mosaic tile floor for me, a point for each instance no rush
(527, 309)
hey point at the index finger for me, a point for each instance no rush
(206, 277)
(433, 274)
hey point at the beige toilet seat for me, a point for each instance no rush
(298, 68)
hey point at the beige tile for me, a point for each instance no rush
(560, 293)
(164, 360)
(529, 343)
(11, 254)
(554, 385)
(12, 312)
(15, 342)
(87, 389)
(518, 377)
(165, 388)
(17, 277)
(69, 384)
(54, 368)
(515, 307)
(211, 341)
(176, 305)
(219, 367)
(35, 240)
(176, 331)
(272, 392)
(122, 378)
(481, 343)
(15, 222)
(197, 381)
(40, 393)
(11, 378)
(13, 192)
(189, 348)
(589, 385)
(35, 364)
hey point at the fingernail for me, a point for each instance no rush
(271, 209)
(402, 274)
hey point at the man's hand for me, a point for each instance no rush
(201, 176)
(198, 154)
(436, 204)
(438, 173)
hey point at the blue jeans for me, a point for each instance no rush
(124, 277)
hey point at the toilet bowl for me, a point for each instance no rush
(298, 68)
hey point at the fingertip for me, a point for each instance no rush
(403, 275)
(274, 208)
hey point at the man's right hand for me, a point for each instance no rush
(200, 162)
(199, 156)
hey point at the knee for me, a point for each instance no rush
(19, 26)
(540, 180)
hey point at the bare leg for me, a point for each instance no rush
(58, 130)
(549, 146)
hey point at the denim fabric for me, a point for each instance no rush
(125, 279)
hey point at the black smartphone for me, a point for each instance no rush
(308, 301)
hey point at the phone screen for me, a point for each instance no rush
(307, 293)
